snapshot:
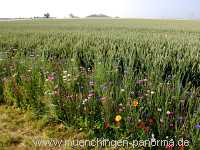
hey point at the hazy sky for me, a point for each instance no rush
(122, 8)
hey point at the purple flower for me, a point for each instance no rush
(98, 98)
(170, 114)
(141, 81)
(197, 126)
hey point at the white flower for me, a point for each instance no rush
(122, 90)
(32, 55)
(159, 109)
(64, 77)
(14, 75)
(152, 92)
(51, 93)
(168, 112)
(56, 86)
(65, 72)
(145, 80)
(84, 101)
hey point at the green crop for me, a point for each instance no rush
(116, 79)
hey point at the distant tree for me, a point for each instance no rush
(71, 15)
(47, 15)
(98, 16)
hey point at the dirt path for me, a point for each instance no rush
(18, 129)
(15, 131)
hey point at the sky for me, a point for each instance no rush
(183, 9)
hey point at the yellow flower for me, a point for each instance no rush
(118, 118)
(135, 103)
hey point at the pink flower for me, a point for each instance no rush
(103, 98)
(51, 78)
(91, 94)
(141, 81)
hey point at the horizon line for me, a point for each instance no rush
(86, 17)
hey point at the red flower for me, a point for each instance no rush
(169, 146)
(141, 125)
(106, 125)
(151, 120)
(181, 147)
(146, 129)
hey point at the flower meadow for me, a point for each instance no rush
(114, 79)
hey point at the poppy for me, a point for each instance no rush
(151, 120)
(106, 125)
(181, 147)
(141, 124)
(146, 129)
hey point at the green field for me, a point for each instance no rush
(108, 78)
